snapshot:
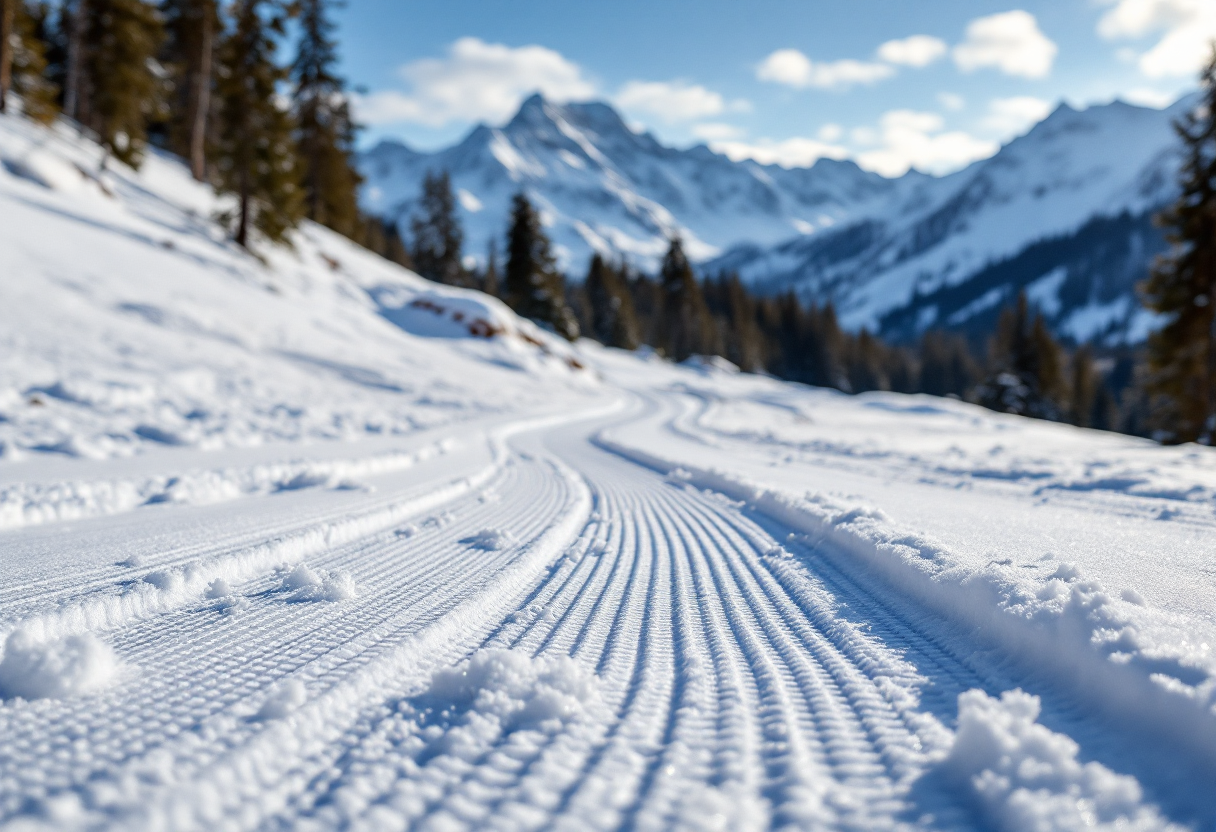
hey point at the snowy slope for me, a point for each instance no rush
(311, 543)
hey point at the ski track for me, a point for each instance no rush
(744, 680)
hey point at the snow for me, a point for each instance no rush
(66, 667)
(1028, 777)
(313, 543)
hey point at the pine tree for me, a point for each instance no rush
(437, 234)
(1028, 368)
(866, 359)
(255, 155)
(823, 346)
(946, 365)
(326, 133)
(192, 27)
(1182, 287)
(613, 319)
(685, 319)
(489, 281)
(119, 88)
(23, 62)
(535, 289)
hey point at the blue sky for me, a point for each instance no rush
(932, 84)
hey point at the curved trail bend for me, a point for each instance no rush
(641, 655)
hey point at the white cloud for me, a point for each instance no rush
(794, 69)
(951, 100)
(672, 101)
(475, 81)
(1011, 116)
(790, 153)
(917, 50)
(1147, 97)
(716, 131)
(914, 139)
(830, 133)
(1010, 42)
(1187, 29)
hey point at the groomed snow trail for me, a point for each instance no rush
(631, 653)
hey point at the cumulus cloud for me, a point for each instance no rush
(475, 81)
(672, 100)
(1010, 42)
(790, 153)
(1186, 29)
(907, 138)
(794, 69)
(1011, 116)
(951, 101)
(1148, 97)
(917, 51)
(716, 131)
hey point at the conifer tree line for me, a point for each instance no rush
(201, 79)
(1023, 369)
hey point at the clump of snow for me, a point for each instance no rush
(710, 364)
(307, 584)
(67, 667)
(282, 699)
(490, 540)
(219, 588)
(514, 690)
(1027, 777)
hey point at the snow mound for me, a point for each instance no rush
(68, 667)
(282, 699)
(490, 540)
(1027, 777)
(48, 170)
(710, 364)
(514, 690)
(307, 584)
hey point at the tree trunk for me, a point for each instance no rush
(242, 228)
(201, 99)
(7, 15)
(75, 69)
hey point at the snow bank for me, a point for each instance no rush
(1142, 669)
(30, 504)
(67, 667)
(1027, 778)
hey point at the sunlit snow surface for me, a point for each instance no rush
(315, 544)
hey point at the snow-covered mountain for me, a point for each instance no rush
(1064, 212)
(604, 187)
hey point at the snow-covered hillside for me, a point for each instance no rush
(311, 543)
(1064, 212)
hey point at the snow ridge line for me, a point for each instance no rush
(249, 774)
(1074, 634)
(167, 589)
(27, 504)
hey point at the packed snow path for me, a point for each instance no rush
(640, 654)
